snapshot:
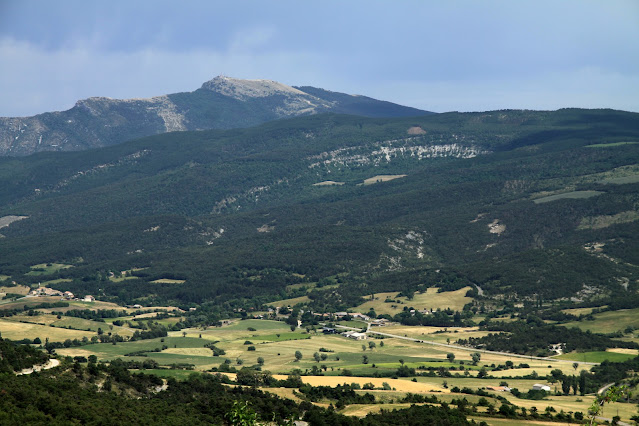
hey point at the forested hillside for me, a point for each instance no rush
(516, 202)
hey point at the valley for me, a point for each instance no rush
(482, 261)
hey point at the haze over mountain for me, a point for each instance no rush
(221, 103)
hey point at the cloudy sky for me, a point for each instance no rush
(451, 55)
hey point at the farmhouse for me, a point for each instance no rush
(68, 295)
(328, 330)
(357, 315)
(355, 335)
(380, 322)
(45, 291)
(88, 298)
(537, 386)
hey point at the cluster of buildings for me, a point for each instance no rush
(67, 295)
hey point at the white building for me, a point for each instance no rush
(355, 335)
(537, 386)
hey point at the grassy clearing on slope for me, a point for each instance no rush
(47, 268)
(17, 331)
(604, 221)
(574, 195)
(168, 281)
(382, 178)
(609, 322)
(18, 289)
(430, 299)
(290, 302)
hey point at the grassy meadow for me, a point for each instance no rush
(430, 299)
(610, 321)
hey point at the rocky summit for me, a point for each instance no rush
(221, 103)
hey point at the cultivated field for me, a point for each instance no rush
(430, 299)
(609, 322)
(17, 331)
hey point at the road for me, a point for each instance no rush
(464, 348)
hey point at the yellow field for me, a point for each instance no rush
(430, 299)
(18, 331)
(609, 321)
(580, 311)
(19, 289)
(511, 422)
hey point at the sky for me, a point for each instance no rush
(448, 55)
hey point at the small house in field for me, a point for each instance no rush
(68, 295)
(537, 386)
(328, 330)
(88, 298)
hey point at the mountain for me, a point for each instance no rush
(221, 103)
(521, 204)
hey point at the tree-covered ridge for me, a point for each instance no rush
(100, 394)
(215, 208)
(15, 357)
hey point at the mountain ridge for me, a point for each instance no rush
(220, 103)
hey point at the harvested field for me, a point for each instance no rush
(18, 289)
(17, 331)
(168, 281)
(398, 384)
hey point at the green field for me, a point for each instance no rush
(609, 322)
(574, 195)
(599, 356)
(47, 268)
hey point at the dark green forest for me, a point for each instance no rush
(509, 201)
